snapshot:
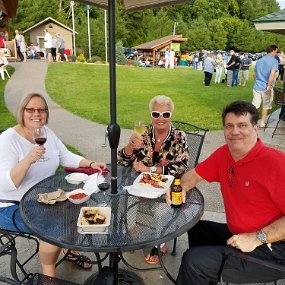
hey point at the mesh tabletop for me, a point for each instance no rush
(136, 222)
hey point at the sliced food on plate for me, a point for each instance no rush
(154, 180)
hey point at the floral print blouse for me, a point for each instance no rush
(173, 152)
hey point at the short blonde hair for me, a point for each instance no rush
(23, 104)
(161, 100)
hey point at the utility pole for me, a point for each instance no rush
(88, 24)
(174, 28)
(106, 39)
(73, 30)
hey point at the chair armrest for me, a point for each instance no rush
(232, 259)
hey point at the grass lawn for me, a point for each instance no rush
(7, 119)
(84, 90)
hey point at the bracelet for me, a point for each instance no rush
(91, 163)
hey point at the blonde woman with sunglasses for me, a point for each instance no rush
(161, 149)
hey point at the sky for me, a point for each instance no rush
(281, 3)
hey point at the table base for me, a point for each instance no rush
(125, 277)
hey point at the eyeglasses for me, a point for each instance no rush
(165, 115)
(33, 110)
(231, 177)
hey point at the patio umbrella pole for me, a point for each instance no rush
(113, 129)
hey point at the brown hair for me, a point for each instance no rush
(24, 103)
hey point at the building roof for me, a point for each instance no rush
(9, 8)
(49, 19)
(274, 22)
(132, 5)
(161, 42)
(273, 17)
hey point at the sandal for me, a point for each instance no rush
(152, 257)
(81, 261)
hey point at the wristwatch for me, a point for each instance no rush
(152, 169)
(261, 236)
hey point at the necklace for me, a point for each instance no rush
(159, 140)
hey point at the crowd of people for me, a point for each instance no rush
(249, 174)
(53, 50)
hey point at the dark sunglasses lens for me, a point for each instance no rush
(155, 114)
(166, 115)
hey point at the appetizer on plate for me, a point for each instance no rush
(154, 180)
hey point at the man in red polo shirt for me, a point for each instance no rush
(252, 181)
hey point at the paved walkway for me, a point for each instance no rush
(88, 137)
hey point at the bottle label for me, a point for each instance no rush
(176, 198)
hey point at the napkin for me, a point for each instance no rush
(91, 184)
(52, 197)
(136, 190)
(86, 170)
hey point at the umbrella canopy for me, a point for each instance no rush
(132, 5)
(8, 8)
(274, 22)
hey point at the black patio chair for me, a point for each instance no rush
(228, 271)
(30, 279)
(37, 279)
(279, 100)
(195, 139)
(9, 238)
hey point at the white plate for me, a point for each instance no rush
(76, 178)
(139, 186)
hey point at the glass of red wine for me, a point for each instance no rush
(40, 137)
(103, 183)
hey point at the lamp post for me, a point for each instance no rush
(73, 30)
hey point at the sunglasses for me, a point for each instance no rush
(165, 115)
(33, 110)
(231, 177)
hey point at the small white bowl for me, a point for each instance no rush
(76, 178)
(80, 200)
(105, 211)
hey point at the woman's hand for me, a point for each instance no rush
(98, 165)
(140, 167)
(35, 153)
(135, 141)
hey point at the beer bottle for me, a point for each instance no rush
(176, 194)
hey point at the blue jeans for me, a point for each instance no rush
(235, 77)
(11, 220)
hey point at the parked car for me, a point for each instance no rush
(130, 53)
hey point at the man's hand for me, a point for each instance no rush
(168, 196)
(246, 242)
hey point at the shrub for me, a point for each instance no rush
(81, 58)
(95, 59)
(120, 57)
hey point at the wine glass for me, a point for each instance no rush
(40, 137)
(139, 127)
(103, 183)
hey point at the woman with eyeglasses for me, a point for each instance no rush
(21, 168)
(161, 149)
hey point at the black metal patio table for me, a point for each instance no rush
(136, 222)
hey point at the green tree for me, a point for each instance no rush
(198, 35)
(218, 35)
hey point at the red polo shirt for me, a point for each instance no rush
(254, 194)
